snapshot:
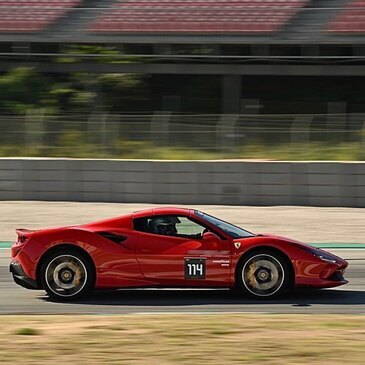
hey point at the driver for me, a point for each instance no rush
(164, 225)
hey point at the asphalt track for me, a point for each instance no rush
(347, 299)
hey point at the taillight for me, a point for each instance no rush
(22, 239)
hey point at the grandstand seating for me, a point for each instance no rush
(200, 16)
(350, 20)
(32, 15)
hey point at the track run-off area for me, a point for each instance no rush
(339, 230)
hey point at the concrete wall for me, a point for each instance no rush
(179, 182)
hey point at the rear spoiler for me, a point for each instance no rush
(23, 233)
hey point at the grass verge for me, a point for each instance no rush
(183, 339)
(73, 145)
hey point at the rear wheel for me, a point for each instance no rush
(263, 274)
(67, 275)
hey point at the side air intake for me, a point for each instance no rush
(112, 237)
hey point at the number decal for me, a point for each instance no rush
(195, 268)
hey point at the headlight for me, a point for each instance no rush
(322, 255)
(327, 258)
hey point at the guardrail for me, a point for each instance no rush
(184, 182)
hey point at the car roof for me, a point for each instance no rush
(162, 211)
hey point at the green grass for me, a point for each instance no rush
(73, 145)
(315, 151)
(27, 332)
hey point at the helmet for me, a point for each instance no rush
(164, 225)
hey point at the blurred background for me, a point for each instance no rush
(184, 80)
(251, 110)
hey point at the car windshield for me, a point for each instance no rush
(230, 229)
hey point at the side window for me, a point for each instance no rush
(186, 227)
(169, 225)
(141, 224)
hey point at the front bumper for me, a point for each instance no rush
(321, 274)
(21, 278)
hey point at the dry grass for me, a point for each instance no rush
(183, 339)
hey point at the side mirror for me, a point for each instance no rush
(210, 236)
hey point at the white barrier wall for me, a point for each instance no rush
(180, 182)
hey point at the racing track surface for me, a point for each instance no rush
(308, 224)
(347, 299)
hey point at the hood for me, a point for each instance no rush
(272, 238)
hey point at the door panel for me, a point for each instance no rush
(167, 259)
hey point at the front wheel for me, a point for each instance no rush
(263, 274)
(67, 276)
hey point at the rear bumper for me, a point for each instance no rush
(21, 278)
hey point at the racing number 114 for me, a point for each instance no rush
(194, 268)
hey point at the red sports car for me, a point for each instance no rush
(167, 247)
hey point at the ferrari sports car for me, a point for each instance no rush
(167, 247)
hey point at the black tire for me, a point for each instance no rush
(263, 274)
(67, 275)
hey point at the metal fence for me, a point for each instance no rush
(88, 135)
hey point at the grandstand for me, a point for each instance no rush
(34, 15)
(273, 41)
(236, 21)
(351, 20)
(213, 16)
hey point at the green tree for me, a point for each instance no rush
(22, 89)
